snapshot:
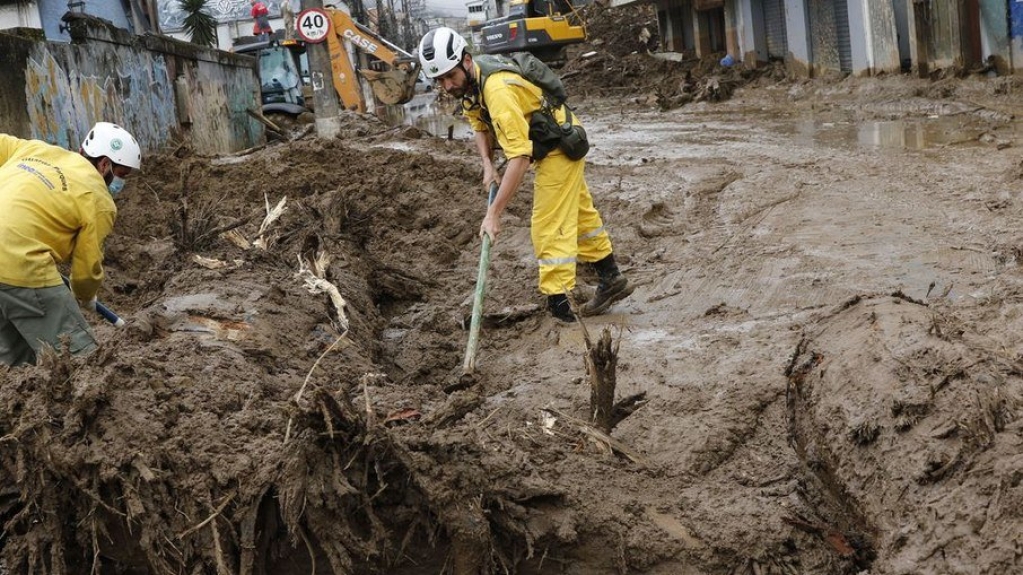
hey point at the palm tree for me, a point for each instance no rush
(201, 27)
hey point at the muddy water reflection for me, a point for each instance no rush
(425, 113)
(898, 134)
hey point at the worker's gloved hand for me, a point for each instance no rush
(88, 305)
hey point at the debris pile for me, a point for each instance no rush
(256, 413)
(626, 57)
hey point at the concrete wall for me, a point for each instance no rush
(994, 26)
(20, 15)
(874, 38)
(751, 32)
(940, 34)
(675, 20)
(797, 29)
(901, 10)
(156, 87)
(824, 36)
(945, 40)
(929, 35)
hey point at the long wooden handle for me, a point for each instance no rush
(469, 365)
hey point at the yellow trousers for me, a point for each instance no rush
(565, 227)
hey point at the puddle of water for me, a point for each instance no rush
(446, 126)
(891, 134)
(424, 113)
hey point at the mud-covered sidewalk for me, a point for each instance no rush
(826, 331)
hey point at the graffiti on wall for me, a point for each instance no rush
(172, 17)
(63, 105)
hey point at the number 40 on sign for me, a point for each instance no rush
(313, 25)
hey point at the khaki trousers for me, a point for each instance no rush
(32, 318)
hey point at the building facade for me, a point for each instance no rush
(860, 37)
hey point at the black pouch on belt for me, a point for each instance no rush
(544, 132)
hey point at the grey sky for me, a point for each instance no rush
(445, 7)
(449, 7)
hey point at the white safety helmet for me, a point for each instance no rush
(440, 51)
(114, 142)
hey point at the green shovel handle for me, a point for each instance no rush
(469, 365)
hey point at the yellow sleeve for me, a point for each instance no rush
(8, 146)
(87, 252)
(509, 101)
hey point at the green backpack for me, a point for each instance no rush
(529, 67)
(544, 131)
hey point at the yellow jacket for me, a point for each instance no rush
(54, 205)
(510, 100)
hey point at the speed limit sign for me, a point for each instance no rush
(313, 25)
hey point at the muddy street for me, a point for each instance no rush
(826, 331)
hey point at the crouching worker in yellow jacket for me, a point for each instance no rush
(56, 206)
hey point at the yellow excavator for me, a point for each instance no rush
(389, 71)
(543, 27)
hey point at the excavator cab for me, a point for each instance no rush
(280, 75)
(543, 27)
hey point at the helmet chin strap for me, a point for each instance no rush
(469, 77)
(471, 96)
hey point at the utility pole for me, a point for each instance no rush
(325, 100)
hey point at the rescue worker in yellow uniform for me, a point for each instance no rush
(565, 226)
(57, 206)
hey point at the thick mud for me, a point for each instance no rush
(798, 417)
(909, 429)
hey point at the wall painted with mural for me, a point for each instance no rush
(160, 89)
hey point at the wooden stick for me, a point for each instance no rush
(298, 396)
(601, 363)
(264, 120)
(216, 512)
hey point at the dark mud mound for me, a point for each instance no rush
(243, 424)
(910, 430)
(619, 59)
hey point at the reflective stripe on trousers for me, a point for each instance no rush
(565, 226)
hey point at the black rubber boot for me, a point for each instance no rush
(613, 287)
(559, 307)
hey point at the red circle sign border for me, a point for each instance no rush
(301, 32)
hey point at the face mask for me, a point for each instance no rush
(115, 186)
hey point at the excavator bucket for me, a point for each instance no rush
(395, 86)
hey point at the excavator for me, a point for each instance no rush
(543, 27)
(389, 71)
(281, 74)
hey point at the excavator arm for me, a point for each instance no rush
(395, 85)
